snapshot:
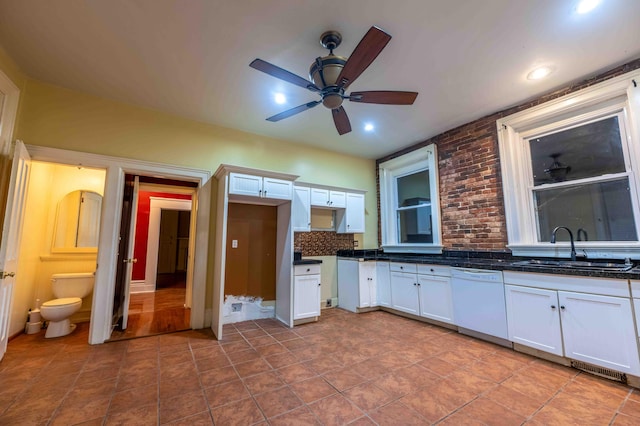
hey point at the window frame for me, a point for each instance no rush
(619, 95)
(413, 162)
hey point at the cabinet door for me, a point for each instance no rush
(337, 199)
(599, 330)
(277, 188)
(306, 296)
(383, 284)
(241, 184)
(435, 298)
(354, 213)
(367, 279)
(404, 292)
(533, 318)
(301, 209)
(319, 197)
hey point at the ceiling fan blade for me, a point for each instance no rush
(341, 120)
(388, 97)
(293, 111)
(365, 52)
(283, 74)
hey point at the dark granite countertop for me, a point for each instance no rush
(500, 261)
(307, 262)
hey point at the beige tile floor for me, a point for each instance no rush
(366, 369)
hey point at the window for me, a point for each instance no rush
(571, 162)
(409, 203)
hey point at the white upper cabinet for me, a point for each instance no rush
(301, 210)
(321, 197)
(258, 186)
(354, 215)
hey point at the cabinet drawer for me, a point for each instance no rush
(306, 269)
(435, 270)
(403, 267)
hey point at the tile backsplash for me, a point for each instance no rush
(321, 243)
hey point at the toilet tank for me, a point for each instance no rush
(72, 285)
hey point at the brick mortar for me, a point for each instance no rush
(471, 194)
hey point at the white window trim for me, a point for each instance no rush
(415, 161)
(619, 93)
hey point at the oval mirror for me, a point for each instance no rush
(78, 221)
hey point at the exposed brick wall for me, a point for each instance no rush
(471, 197)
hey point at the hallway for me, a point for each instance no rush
(360, 369)
(158, 312)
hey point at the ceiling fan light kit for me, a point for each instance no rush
(330, 75)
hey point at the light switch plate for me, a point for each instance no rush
(234, 243)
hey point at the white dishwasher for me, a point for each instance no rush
(478, 302)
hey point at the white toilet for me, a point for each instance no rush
(69, 290)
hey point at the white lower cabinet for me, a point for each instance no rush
(306, 291)
(532, 318)
(383, 284)
(356, 284)
(593, 328)
(435, 298)
(423, 290)
(404, 292)
(599, 330)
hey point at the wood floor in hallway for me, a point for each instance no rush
(159, 312)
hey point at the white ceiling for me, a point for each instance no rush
(466, 58)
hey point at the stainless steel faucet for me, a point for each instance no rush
(573, 246)
(583, 232)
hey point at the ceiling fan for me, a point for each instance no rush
(331, 75)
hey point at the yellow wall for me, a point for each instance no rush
(48, 184)
(61, 118)
(56, 117)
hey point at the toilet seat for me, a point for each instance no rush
(58, 303)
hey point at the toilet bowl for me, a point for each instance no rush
(69, 290)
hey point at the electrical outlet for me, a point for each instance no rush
(328, 303)
(236, 307)
(234, 243)
(355, 243)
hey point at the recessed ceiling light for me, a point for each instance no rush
(540, 72)
(280, 98)
(586, 6)
(368, 127)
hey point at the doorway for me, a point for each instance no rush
(158, 295)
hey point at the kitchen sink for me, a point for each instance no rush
(576, 264)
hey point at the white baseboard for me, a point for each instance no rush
(140, 286)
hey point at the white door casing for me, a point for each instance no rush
(153, 241)
(11, 234)
(100, 326)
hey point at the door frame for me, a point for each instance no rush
(116, 168)
(156, 206)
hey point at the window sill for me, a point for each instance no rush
(413, 248)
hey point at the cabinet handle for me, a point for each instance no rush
(553, 306)
(562, 307)
(308, 270)
(431, 269)
(402, 267)
(415, 283)
(319, 284)
(265, 192)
